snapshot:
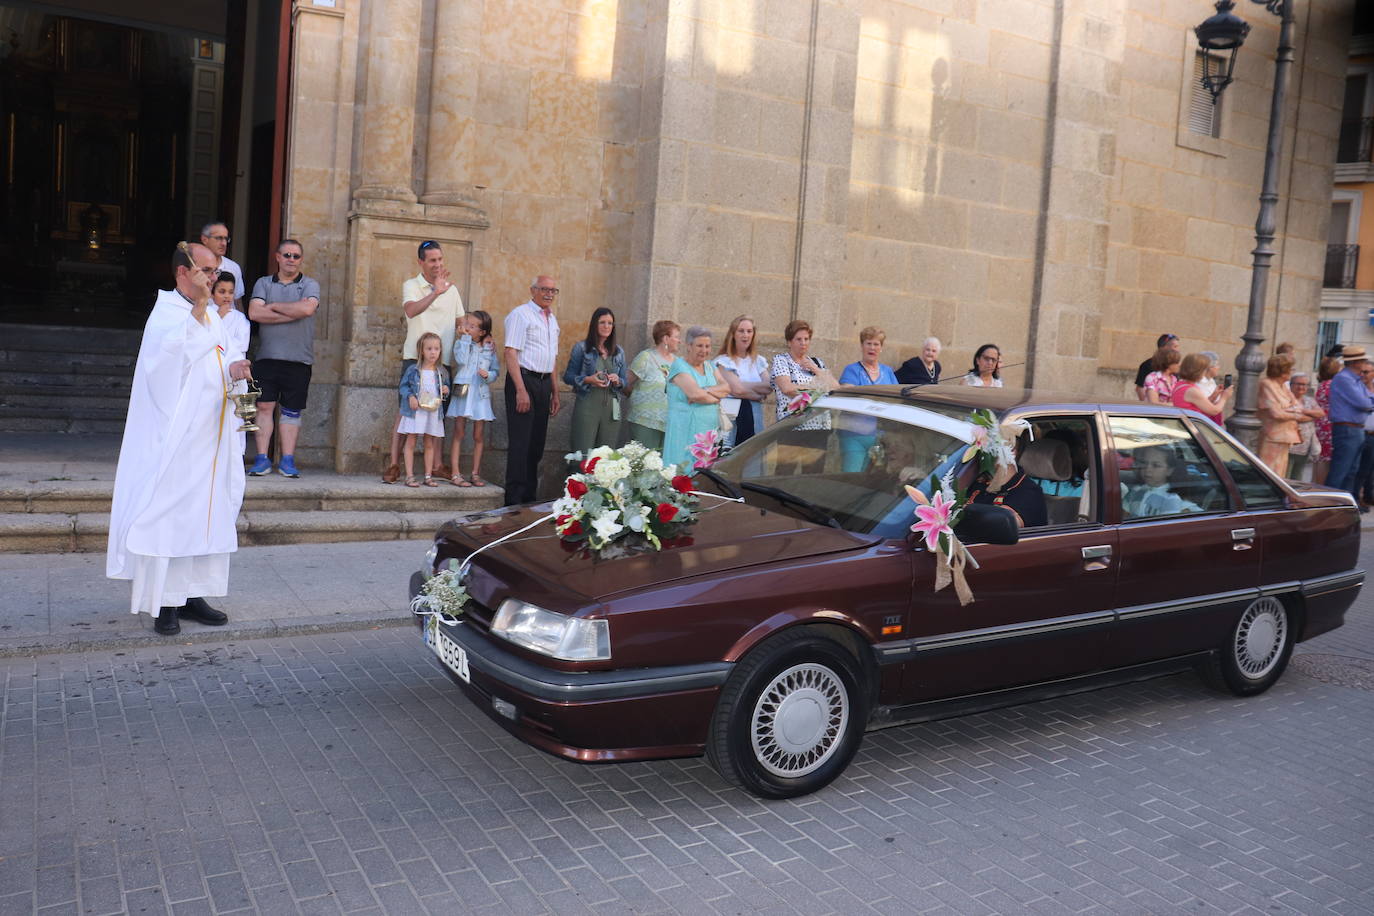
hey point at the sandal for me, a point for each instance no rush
(458, 480)
(429, 481)
(412, 482)
(477, 480)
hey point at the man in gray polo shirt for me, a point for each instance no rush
(284, 307)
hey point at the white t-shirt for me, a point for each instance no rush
(974, 381)
(750, 372)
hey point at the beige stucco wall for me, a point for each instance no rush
(1004, 170)
(1183, 210)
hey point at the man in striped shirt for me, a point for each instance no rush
(531, 349)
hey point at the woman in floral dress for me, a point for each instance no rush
(1326, 371)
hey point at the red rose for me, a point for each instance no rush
(682, 483)
(574, 528)
(666, 511)
(589, 465)
(576, 488)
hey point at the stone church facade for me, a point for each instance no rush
(1035, 173)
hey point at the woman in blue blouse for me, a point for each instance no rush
(861, 433)
(695, 388)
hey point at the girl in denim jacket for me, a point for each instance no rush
(475, 366)
(423, 389)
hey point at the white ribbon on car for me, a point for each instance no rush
(463, 567)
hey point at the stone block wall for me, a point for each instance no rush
(1015, 171)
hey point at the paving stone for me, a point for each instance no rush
(359, 782)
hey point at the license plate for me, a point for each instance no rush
(454, 656)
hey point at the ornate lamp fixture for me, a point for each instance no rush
(1220, 37)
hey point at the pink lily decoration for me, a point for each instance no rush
(980, 442)
(799, 403)
(705, 449)
(933, 521)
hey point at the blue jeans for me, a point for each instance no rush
(1364, 477)
(1347, 443)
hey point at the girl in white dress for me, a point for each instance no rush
(423, 389)
(475, 366)
(236, 327)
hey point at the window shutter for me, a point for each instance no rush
(1204, 116)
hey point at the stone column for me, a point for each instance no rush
(452, 97)
(388, 133)
(1076, 199)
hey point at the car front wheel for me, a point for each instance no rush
(790, 718)
(1257, 650)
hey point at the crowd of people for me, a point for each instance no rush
(687, 382)
(1322, 432)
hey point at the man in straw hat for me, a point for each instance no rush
(179, 483)
(1350, 405)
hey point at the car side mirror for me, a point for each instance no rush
(981, 523)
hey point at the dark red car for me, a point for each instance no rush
(776, 631)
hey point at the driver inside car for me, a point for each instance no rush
(1020, 496)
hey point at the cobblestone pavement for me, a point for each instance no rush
(345, 773)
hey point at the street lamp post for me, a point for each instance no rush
(1220, 37)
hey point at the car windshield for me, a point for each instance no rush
(845, 461)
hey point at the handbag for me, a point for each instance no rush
(727, 421)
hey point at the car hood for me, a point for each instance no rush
(544, 569)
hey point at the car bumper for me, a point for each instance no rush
(588, 716)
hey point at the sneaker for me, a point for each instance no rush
(287, 468)
(261, 467)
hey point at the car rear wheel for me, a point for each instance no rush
(1257, 652)
(791, 716)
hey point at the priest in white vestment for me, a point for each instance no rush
(179, 484)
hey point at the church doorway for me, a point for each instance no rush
(124, 128)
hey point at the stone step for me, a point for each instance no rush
(54, 381)
(264, 494)
(89, 531)
(22, 420)
(66, 341)
(40, 360)
(71, 401)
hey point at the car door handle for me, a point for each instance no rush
(1095, 553)
(1242, 538)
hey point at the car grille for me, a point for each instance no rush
(479, 615)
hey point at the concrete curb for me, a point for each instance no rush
(195, 634)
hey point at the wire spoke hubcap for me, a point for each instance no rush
(1260, 637)
(799, 719)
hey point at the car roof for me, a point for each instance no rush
(1000, 400)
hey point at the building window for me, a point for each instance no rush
(1357, 128)
(1328, 335)
(1204, 113)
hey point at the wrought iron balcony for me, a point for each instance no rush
(1341, 263)
(1355, 141)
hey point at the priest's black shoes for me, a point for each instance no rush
(196, 609)
(167, 623)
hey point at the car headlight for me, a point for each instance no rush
(575, 639)
(427, 567)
